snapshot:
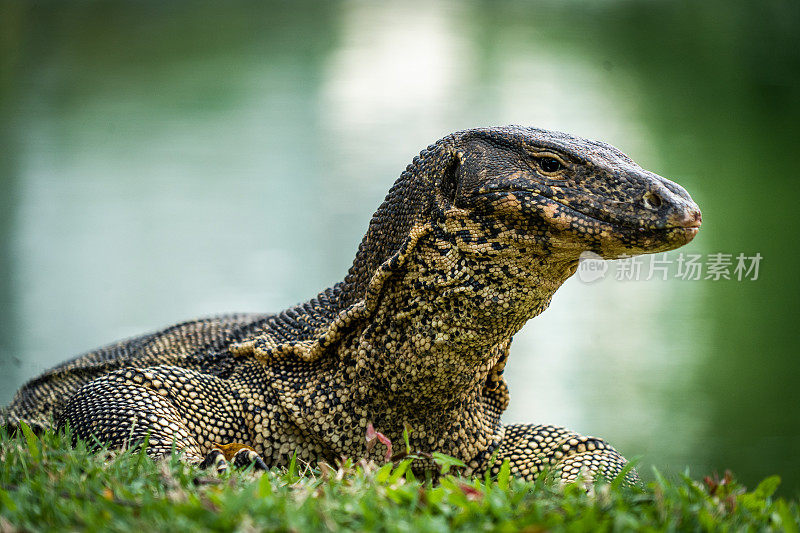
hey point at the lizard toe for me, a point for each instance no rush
(215, 460)
(246, 457)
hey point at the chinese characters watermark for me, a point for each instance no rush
(664, 266)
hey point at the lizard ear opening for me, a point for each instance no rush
(449, 183)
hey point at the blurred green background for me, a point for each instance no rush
(161, 162)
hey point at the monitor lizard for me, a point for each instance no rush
(471, 242)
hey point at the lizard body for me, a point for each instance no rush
(471, 242)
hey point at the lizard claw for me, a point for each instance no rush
(215, 460)
(238, 455)
(245, 457)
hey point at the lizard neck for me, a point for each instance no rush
(440, 328)
(428, 351)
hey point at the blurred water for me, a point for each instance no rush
(161, 163)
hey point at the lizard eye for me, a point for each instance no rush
(550, 165)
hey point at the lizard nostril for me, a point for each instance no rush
(651, 200)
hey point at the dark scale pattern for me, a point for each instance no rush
(471, 242)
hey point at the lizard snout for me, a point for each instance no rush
(684, 213)
(687, 218)
(675, 207)
(675, 210)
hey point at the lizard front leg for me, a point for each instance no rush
(199, 413)
(532, 448)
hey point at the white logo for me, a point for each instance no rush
(591, 267)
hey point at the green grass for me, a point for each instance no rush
(45, 484)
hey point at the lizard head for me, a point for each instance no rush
(524, 191)
(539, 188)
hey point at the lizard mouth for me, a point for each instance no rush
(679, 228)
(686, 224)
(674, 234)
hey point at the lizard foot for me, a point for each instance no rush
(238, 455)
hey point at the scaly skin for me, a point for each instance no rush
(471, 242)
